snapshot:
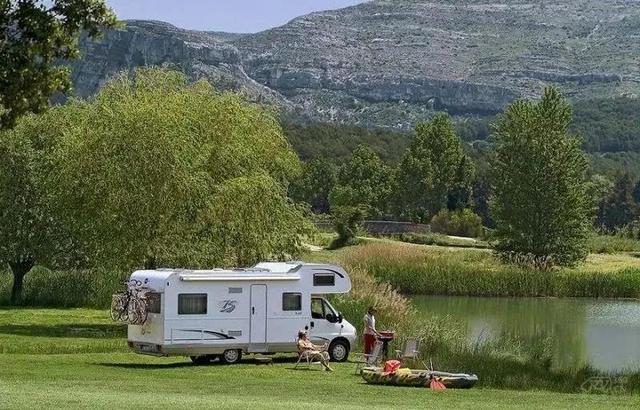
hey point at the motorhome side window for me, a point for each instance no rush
(153, 302)
(291, 301)
(192, 304)
(324, 279)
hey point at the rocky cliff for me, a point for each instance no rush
(391, 62)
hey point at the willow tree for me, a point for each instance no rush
(141, 176)
(541, 207)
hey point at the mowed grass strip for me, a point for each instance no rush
(58, 331)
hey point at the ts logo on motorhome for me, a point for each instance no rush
(228, 306)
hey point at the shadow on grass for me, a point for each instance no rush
(149, 366)
(109, 331)
(305, 368)
(216, 362)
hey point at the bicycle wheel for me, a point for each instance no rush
(118, 306)
(137, 311)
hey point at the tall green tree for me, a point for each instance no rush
(541, 207)
(35, 36)
(318, 178)
(159, 171)
(435, 172)
(618, 208)
(363, 181)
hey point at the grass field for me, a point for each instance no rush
(77, 358)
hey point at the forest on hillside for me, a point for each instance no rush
(609, 130)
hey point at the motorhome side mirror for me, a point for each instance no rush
(340, 317)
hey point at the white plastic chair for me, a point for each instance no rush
(370, 360)
(411, 351)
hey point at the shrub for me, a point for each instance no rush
(73, 288)
(459, 223)
(347, 220)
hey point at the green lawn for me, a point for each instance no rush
(78, 359)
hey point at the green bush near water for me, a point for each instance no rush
(461, 222)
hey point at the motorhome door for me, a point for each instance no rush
(258, 334)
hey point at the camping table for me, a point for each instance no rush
(385, 337)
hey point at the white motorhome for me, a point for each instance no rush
(221, 313)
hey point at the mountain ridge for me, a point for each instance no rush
(389, 63)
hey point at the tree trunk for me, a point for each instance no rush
(19, 269)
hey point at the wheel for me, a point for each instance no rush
(119, 307)
(137, 311)
(231, 356)
(200, 359)
(339, 350)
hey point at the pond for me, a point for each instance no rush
(602, 333)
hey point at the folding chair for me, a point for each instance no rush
(308, 356)
(411, 351)
(370, 360)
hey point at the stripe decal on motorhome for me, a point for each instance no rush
(210, 332)
(222, 278)
(329, 270)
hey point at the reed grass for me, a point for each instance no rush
(472, 272)
(612, 244)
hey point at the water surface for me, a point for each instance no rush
(602, 333)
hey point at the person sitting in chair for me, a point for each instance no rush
(316, 352)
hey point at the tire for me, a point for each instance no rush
(231, 356)
(119, 307)
(200, 360)
(339, 351)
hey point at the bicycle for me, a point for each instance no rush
(131, 305)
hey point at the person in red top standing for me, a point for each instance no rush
(370, 333)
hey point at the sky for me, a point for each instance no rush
(238, 16)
